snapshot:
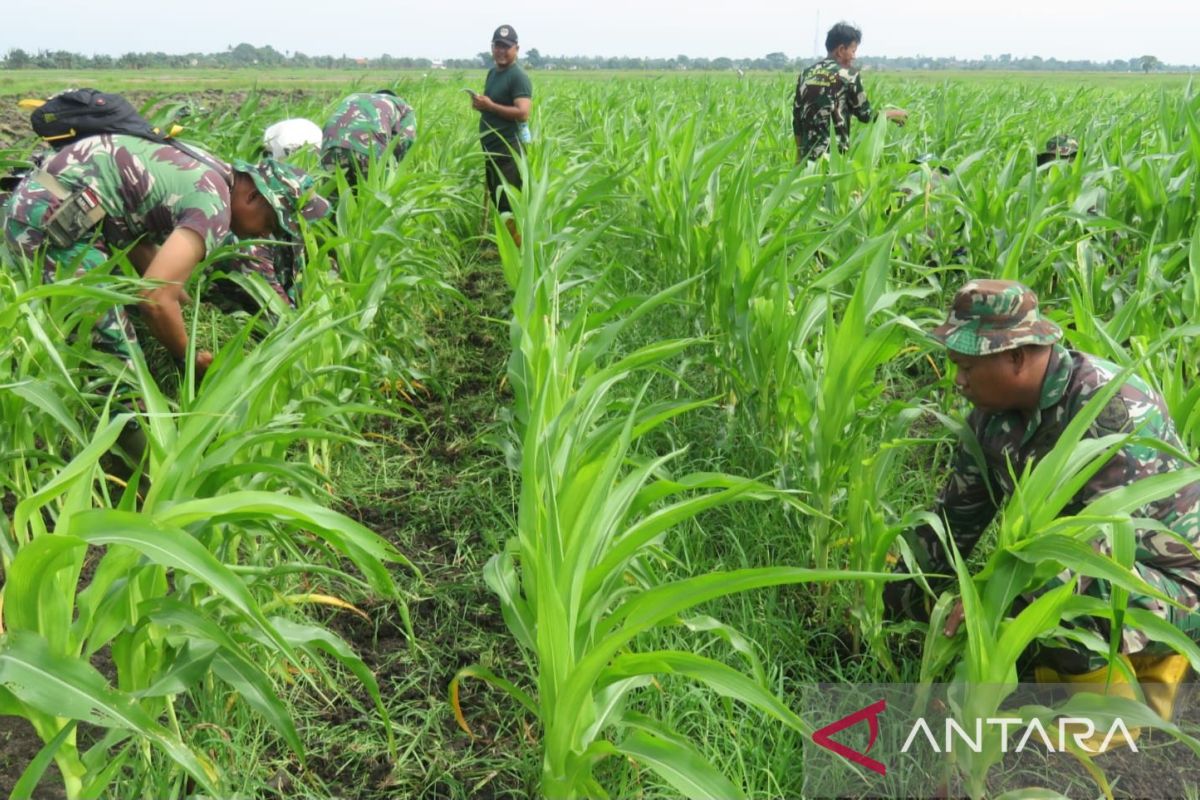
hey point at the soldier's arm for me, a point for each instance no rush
(798, 107)
(860, 106)
(856, 100)
(966, 504)
(173, 265)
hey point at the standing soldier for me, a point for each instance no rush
(1026, 388)
(365, 128)
(831, 91)
(171, 208)
(504, 110)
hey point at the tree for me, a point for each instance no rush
(17, 59)
(244, 54)
(534, 59)
(1150, 63)
(777, 60)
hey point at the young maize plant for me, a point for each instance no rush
(577, 584)
(183, 572)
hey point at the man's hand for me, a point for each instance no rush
(172, 264)
(481, 102)
(204, 360)
(954, 620)
(897, 115)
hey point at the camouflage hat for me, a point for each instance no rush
(1061, 146)
(990, 316)
(285, 188)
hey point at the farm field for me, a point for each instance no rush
(582, 517)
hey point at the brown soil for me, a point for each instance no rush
(19, 743)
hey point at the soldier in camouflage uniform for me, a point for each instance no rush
(1026, 388)
(168, 207)
(365, 127)
(831, 91)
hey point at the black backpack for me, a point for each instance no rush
(78, 113)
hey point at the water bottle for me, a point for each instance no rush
(524, 134)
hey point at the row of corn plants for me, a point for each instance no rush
(124, 598)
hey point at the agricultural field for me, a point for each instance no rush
(580, 518)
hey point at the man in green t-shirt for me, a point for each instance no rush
(504, 109)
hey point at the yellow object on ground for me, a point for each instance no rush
(30, 103)
(1158, 675)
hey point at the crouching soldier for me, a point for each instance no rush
(1026, 388)
(169, 207)
(365, 128)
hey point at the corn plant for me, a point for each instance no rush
(574, 582)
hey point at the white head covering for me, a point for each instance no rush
(286, 137)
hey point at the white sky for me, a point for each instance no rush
(1094, 29)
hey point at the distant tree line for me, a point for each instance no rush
(247, 55)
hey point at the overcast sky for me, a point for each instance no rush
(1066, 29)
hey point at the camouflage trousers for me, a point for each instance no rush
(113, 333)
(274, 264)
(1181, 583)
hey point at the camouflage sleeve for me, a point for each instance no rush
(967, 505)
(798, 107)
(856, 100)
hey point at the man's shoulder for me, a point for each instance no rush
(519, 77)
(1134, 402)
(824, 70)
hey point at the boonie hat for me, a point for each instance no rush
(991, 316)
(288, 190)
(1061, 146)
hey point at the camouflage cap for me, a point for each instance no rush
(1061, 146)
(288, 190)
(991, 316)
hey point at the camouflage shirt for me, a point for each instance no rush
(827, 92)
(146, 188)
(365, 124)
(971, 497)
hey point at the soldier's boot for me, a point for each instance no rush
(1105, 681)
(511, 224)
(1160, 677)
